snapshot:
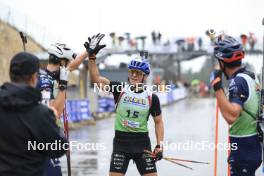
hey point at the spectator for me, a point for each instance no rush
(252, 41)
(200, 43)
(244, 40)
(153, 35)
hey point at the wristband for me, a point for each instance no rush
(62, 87)
(92, 57)
(157, 146)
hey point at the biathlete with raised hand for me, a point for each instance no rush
(62, 60)
(241, 109)
(134, 104)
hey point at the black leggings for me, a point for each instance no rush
(246, 159)
(120, 161)
(244, 169)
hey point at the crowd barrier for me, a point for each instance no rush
(172, 96)
(106, 104)
(78, 110)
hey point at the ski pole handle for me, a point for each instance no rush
(24, 40)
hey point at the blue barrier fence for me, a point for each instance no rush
(172, 96)
(106, 104)
(78, 110)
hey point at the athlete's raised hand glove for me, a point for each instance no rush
(216, 80)
(64, 74)
(158, 153)
(93, 44)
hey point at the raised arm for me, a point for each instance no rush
(230, 111)
(59, 101)
(95, 75)
(74, 64)
(93, 47)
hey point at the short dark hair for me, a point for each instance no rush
(54, 59)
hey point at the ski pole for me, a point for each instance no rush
(172, 161)
(184, 160)
(216, 139)
(24, 39)
(66, 132)
(176, 159)
(261, 118)
(150, 154)
(228, 152)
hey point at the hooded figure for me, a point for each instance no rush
(25, 123)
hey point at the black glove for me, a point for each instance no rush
(216, 80)
(158, 153)
(93, 44)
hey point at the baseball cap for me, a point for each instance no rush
(24, 63)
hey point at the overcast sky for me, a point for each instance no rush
(73, 20)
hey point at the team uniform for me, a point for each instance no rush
(244, 90)
(46, 86)
(131, 128)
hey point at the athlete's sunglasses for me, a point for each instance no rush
(132, 72)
